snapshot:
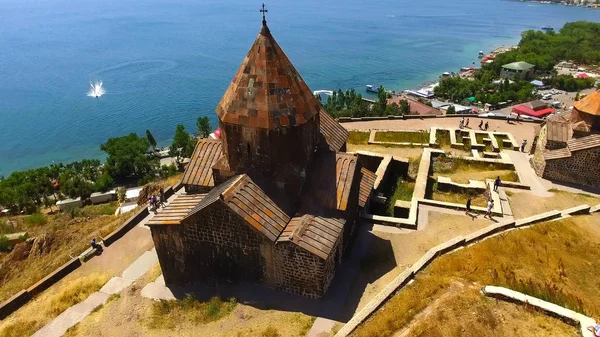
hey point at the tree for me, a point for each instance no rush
(183, 144)
(151, 139)
(127, 157)
(204, 128)
(451, 110)
(104, 183)
(382, 97)
(404, 107)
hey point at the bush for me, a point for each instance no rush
(36, 219)
(107, 210)
(104, 183)
(270, 332)
(4, 244)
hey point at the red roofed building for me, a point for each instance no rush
(416, 107)
(275, 200)
(537, 109)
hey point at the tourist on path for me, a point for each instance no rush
(468, 206)
(480, 124)
(595, 329)
(460, 124)
(523, 145)
(490, 205)
(95, 245)
(162, 197)
(467, 123)
(486, 126)
(497, 184)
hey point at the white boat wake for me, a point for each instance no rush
(96, 90)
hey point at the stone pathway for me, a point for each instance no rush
(58, 326)
(73, 315)
(527, 175)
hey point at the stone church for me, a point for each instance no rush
(567, 145)
(275, 200)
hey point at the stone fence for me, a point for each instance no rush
(405, 117)
(23, 296)
(449, 246)
(564, 314)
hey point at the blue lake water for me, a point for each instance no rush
(168, 62)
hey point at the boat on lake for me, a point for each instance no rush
(373, 88)
(547, 28)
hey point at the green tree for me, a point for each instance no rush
(382, 97)
(203, 127)
(127, 157)
(404, 107)
(104, 183)
(451, 110)
(151, 139)
(183, 144)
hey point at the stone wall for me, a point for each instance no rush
(582, 168)
(217, 246)
(537, 160)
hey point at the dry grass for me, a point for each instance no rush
(402, 137)
(400, 151)
(460, 198)
(524, 203)
(358, 138)
(168, 314)
(65, 237)
(47, 307)
(467, 313)
(554, 263)
(74, 293)
(461, 170)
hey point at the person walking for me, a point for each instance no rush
(490, 206)
(497, 184)
(486, 126)
(162, 197)
(460, 124)
(523, 144)
(480, 124)
(468, 206)
(467, 123)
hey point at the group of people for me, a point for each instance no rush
(155, 202)
(464, 123)
(490, 202)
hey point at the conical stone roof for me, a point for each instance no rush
(589, 104)
(267, 92)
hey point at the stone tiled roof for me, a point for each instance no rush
(329, 181)
(557, 154)
(367, 181)
(583, 143)
(334, 133)
(176, 210)
(267, 92)
(575, 144)
(316, 234)
(213, 195)
(257, 205)
(199, 170)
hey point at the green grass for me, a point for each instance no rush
(500, 140)
(402, 137)
(36, 219)
(442, 138)
(403, 190)
(358, 138)
(168, 314)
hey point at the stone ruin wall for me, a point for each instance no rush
(218, 246)
(582, 168)
(537, 160)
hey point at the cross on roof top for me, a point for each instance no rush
(263, 11)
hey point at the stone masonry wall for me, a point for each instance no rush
(582, 168)
(218, 246)
(537, 160)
